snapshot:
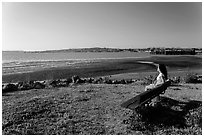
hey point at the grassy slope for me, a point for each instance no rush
(110, 67)
(95, 109)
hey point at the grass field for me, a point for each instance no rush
(95, 108)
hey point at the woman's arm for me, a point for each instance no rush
(160, 80)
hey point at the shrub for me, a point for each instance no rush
(192, 78)
(176, 80)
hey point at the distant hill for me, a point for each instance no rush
(95, 49)
(98, 49)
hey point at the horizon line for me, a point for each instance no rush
(95, 47)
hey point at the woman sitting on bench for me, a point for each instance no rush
(161, 78)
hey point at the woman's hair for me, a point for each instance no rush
(163, 70)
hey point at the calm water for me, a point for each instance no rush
(27, 57)
(18, 62)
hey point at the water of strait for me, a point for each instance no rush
(19, 62)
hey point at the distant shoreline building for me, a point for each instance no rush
(174, 51)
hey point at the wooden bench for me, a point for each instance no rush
(145, 97)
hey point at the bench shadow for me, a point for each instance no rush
(167, 113)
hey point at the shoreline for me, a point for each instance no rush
(29, 66)
(104, 67)
(57, 63)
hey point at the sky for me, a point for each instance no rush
(38, 26)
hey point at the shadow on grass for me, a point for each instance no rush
(168, 113)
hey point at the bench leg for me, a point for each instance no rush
(157, 99)
(153, 101)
